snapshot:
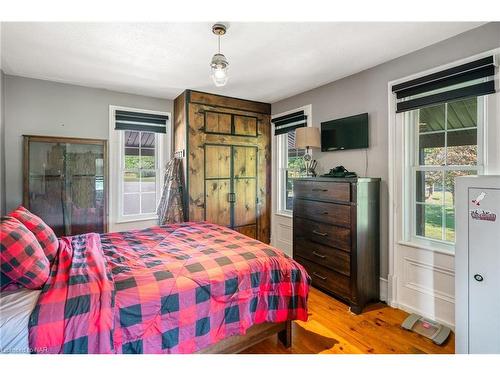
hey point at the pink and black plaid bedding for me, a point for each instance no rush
(171, 289)
(43, 233)
(22, 260)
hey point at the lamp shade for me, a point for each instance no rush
(307, 137)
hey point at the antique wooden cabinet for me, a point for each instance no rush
(65, 183)
(225, 146)
(336, 236)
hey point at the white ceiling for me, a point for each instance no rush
(268, 61)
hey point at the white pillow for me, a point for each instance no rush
(15, 311)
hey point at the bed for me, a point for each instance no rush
(181, 288)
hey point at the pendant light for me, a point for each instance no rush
(219, 64)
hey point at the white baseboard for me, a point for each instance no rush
(392, 290)
(393, 302)
(384, 285)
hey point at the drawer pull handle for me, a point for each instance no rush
(325, 212)
(320, 233)
(324, 190)
(319, 255)
(319, 276)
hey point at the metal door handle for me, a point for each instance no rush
(319, 255)
(478, 277)
(320, 233)
(319, 276)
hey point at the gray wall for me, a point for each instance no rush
(367, 92)
(36, 107)
(2, 148)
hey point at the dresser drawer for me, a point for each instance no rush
(331, 191)
(327, 279)
(325, 234)
(335, 259)
(330, 213)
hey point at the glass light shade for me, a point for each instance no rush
(220, 67)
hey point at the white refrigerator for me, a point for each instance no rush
(477, 264)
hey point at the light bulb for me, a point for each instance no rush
(220, 73)
(219, 76)
(219, 67)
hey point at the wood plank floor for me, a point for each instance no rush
(331, 328)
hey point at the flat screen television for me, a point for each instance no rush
(345, 133)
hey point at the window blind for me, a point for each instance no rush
(474, 78)
(287, 123)
(126, 120)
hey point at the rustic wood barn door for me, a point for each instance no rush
(231, 187)
(218, 178)
(245, 190)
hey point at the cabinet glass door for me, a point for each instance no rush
(65, 183)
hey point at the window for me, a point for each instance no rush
(139, 173)
(443, 143)
(290, 162)
(292, 168)
(137, 156)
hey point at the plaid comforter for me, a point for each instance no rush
(170, 289)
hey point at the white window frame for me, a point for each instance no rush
(398, 165)
(411, 137)
(117, 163)
(281, 161)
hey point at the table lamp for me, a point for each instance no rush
(307, 137)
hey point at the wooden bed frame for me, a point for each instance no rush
(254, 335)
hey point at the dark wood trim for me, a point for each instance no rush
(106, 183)
(44, 138)
(226, 96)
(285, 335)
(186, 99)
(254, 335)
(228, 102)
(354, 298)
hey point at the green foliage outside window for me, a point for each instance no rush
(135, 162)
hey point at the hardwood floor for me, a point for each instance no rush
(331, 328)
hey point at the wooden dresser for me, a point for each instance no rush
(336, 236)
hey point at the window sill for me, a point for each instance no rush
(447, 250)
(286, 214)
(135, 219)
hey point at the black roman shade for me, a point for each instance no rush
(474, 78)
(147, 122)
(287, 123)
